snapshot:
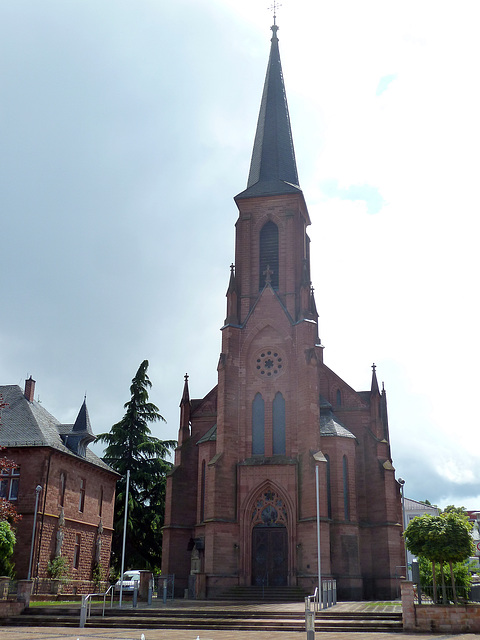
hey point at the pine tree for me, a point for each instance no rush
(130, 446)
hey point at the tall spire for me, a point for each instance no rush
(273, 170)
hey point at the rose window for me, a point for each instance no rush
(269, 363)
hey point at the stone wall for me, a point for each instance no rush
(431, 618)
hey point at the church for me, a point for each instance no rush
(241, 503)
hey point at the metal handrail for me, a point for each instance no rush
(86, 607)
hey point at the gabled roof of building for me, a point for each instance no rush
(273, 169)
(27, 423)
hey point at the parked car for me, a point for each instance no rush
(129, 579)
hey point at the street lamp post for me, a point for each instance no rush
(38, 488)
(318, 457)
(401, 482)
(124, 537)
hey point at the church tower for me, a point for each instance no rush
(241, 498)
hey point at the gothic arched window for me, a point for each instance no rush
(339, 398)
(279, 445)
(202, 493)
(258, 425)
(269, 255)
(329, 489)
(346, 498)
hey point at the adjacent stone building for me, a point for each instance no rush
(76, 500)
(241, 499)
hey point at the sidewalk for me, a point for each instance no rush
(62, 633)
(70, 633)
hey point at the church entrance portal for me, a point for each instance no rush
(269, 556)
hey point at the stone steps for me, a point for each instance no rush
(201, 619)
(264, 594)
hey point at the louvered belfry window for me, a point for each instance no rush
(269, 255)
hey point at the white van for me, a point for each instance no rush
(129, 579)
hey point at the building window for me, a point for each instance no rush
(100, 502)
(346, 498)
(76, 551)
(202, 494)
(258, 426)
(269, 263)
(279, 444)
(9, 480)
(329, 489)
(63, 486)
(339, 398)
(81, 501)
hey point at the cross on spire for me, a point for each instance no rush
(274, 8)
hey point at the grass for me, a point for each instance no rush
(56, 603)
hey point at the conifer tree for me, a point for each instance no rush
(130, 446)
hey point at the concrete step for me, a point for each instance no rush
(326, 621)
(264, 594)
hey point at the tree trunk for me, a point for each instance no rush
(434, 583)
(453, 583)
(444, 589)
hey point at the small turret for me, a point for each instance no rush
(232, 299)
(184, 431)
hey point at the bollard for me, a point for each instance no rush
(310, 624)
(135, 594)
(164, 592)
(83, 611)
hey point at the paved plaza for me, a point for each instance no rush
(41, 633)
(71, 633)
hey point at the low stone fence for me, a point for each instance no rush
(432, 618)
(14, 597)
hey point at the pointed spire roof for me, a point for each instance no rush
(82, 423)
(186, 394)
(273, 169)
(374, 388)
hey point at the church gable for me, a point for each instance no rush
(338, 392)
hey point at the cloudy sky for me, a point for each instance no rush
(126, 128)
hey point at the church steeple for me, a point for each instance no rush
(273, 169)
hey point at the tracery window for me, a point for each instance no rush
(269, 510)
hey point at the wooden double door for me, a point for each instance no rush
(269, 556)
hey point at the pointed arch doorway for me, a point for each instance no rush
(269, 541)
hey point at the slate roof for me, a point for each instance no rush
(330, 425)
(273, 169)
(211, 435)
(29, 424)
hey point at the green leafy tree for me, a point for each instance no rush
(7, 510)
(462, 575)
(130, 446)
(440, 539)
(461, 511)
(7, 543)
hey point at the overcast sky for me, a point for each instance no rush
(126, 129)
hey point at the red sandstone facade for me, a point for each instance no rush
(75, 506)
(241, 499)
